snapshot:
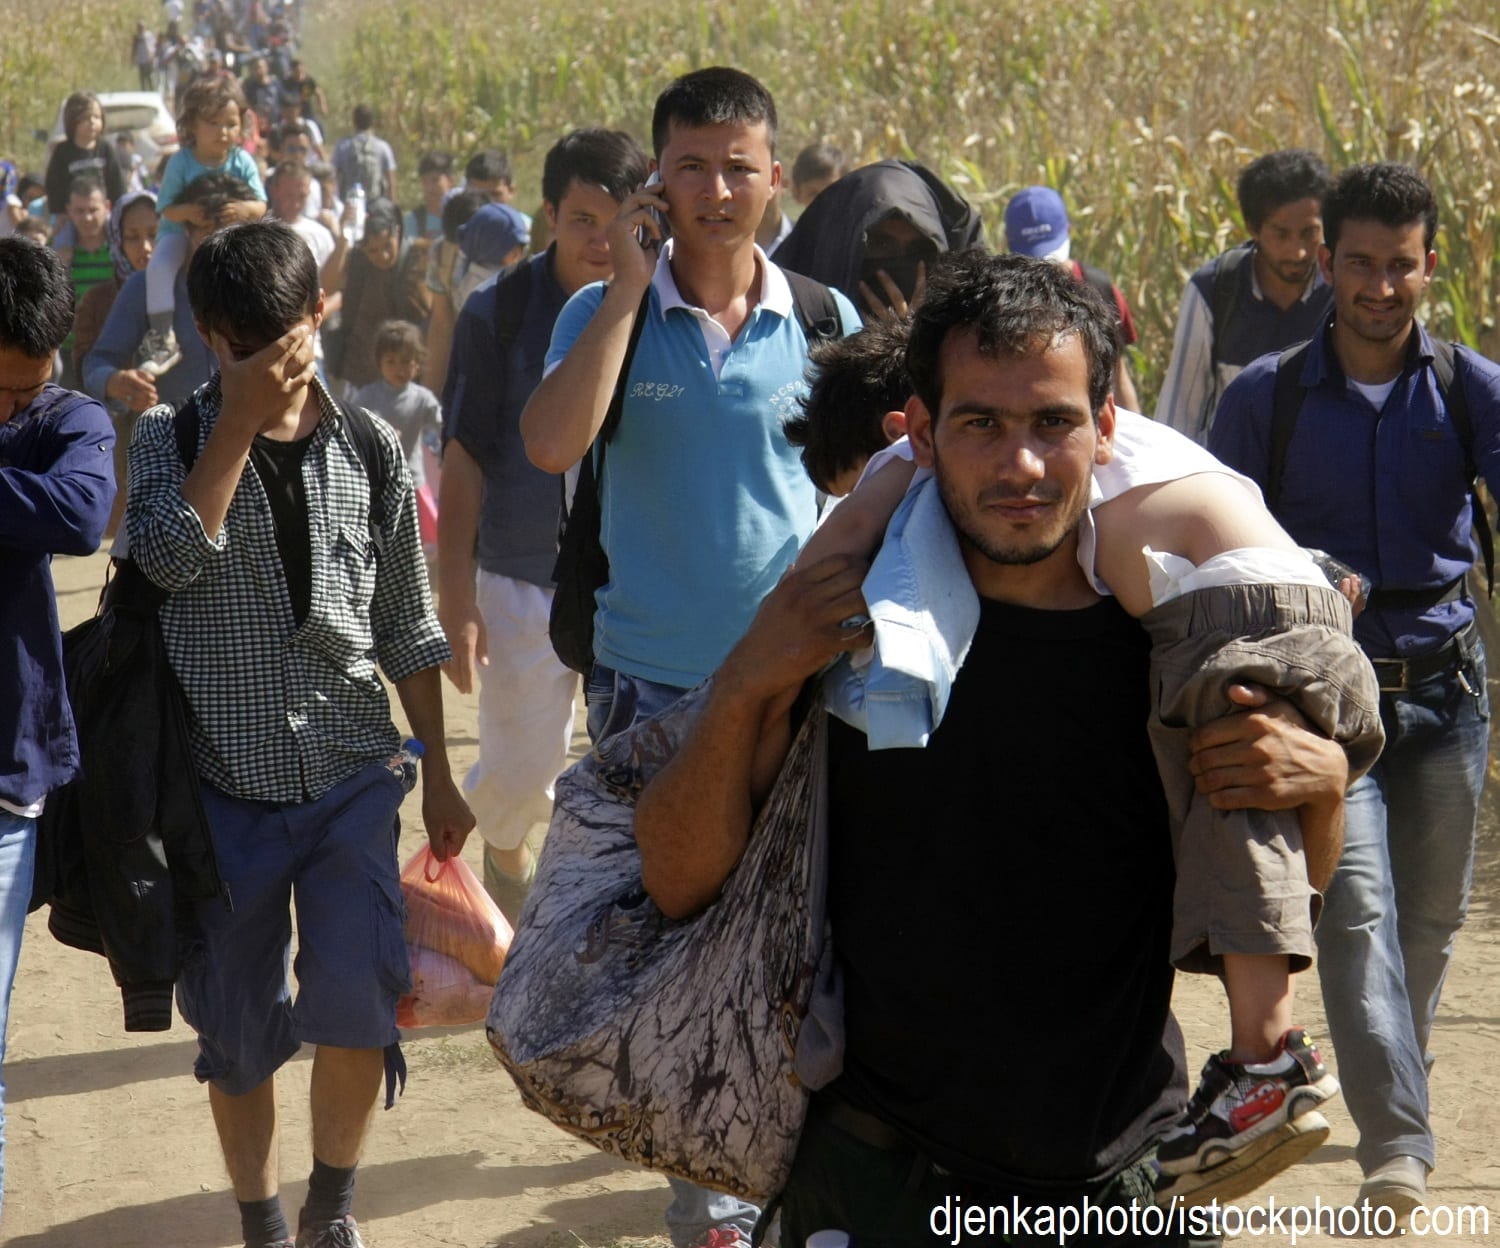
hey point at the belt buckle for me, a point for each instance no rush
(1384, 681)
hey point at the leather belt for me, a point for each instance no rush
(866, 1128)
(1399, 675)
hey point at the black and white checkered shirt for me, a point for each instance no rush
(281, 713)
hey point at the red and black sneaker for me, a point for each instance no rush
(1236, 1103)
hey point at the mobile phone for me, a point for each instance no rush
(642, 235)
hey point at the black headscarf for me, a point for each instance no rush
(828, 242)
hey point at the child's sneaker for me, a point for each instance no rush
(159, 352)
(1237, 1103)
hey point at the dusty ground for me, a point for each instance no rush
(110, 1141)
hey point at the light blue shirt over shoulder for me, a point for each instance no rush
(184, 168)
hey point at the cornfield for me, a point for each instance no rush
(1141, 112)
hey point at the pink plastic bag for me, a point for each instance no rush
(456, 939)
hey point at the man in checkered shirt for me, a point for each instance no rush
(292, 567)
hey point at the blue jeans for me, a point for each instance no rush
(615, 701)
(1397, 900)
(17, 861)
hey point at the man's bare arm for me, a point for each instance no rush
(458, 524)
(564, 414)
(445, 814)
(693, 819)
(1267, 758)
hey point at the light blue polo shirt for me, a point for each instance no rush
(705, 502)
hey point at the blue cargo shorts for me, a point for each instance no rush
(335, 857)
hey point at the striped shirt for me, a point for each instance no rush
(282, 712)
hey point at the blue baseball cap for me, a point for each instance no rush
(493, 233)
(1036, 222)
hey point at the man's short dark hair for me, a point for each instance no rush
(1016, 305)
(435, 162)
(1279, 178)
(457, 209)
(610, 159)
(716, 96)
(855, 382)
(213, 192)
(364, 117)
(819, 161)
(36, 299)
(490, 165)
(85, 184)
(253, 282)
(1394, 195)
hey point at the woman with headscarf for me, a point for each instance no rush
(873, 233)
(132, 238)
(380, 284)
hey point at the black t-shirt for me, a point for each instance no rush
(1002, 902)
(279, 466)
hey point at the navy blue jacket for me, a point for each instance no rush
(1384, 491)
(57, 483)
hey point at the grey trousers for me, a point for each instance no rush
(1242, 882)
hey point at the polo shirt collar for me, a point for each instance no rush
(775, 290)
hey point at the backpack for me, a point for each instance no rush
(367, 171)
(1286, 406)
(1231, 280)
(582, 567)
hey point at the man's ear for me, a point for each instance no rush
(319, 309)
(1325, 262)
(1430, 267)
(893, 426)
(1104, 451)
(775, 175)
(549, 211)
(919, 430)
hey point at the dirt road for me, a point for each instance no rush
(110, 1142)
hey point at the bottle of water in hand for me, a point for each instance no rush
(357, 223)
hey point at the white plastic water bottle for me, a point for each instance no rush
(403, 765)
(828, 1239)
(357, 203)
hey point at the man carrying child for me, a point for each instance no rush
(1047, 876)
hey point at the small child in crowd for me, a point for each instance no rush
(412, 409)
(435, 170)
(855, 404)
(209, 127)
(81, 154)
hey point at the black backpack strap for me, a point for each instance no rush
(360, 427)
(185, 426)
(1231, 276)
(816, 308)
(512, 295)
(1450, 383)
(1286, 406)
(617, 400)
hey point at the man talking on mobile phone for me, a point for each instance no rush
(704, 502)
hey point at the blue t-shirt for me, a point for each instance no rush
(704, 502)
(185, 168)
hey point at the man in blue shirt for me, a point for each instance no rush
(1375, 473)
(57, 482)
(501, 509)
(704, 501)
